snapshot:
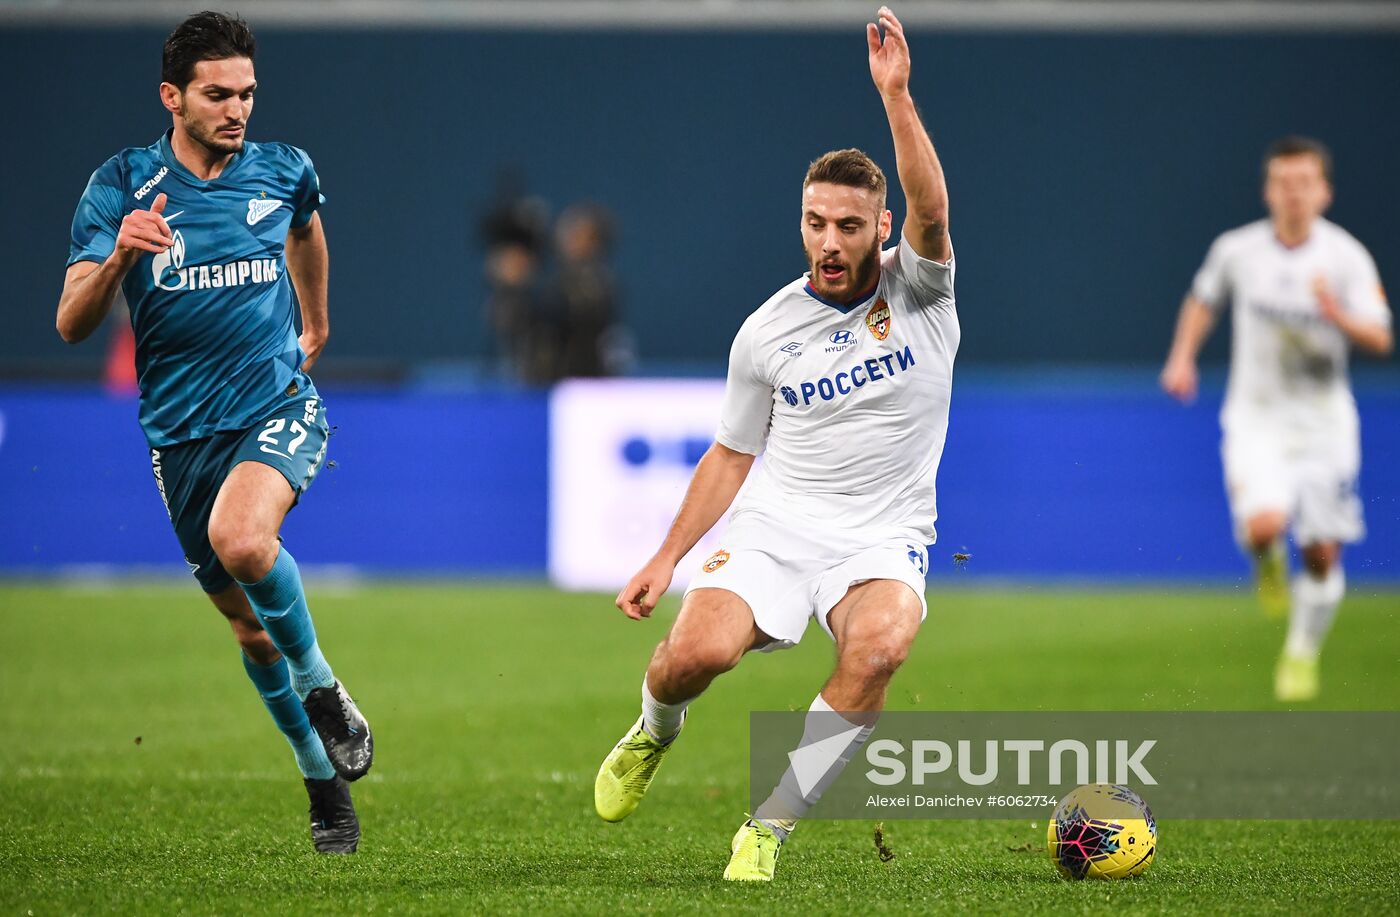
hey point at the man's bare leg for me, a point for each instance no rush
(712, 633)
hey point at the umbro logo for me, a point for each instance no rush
(261, 207)
(792, 348)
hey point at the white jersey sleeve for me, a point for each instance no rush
(748, 398)
(930, 281)
(1361, 293)
(1212, 283)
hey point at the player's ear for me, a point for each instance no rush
(172, 98)
(886, 226)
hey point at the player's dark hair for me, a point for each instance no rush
(204, 36)
(1295, 145)
(848, 167)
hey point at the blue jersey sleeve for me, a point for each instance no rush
(309, 197)
(99, 216)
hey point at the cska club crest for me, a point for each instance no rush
(878, 319)
(717, 560)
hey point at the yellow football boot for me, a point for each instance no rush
(626, 773)
(753, 853)
(1296, 679)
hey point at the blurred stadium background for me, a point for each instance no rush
(1093, 150)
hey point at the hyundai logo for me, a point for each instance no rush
(841, 337)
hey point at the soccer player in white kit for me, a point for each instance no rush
(1303, 291)
(842, 380)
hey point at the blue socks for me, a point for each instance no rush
(280, 604)
(275, 688)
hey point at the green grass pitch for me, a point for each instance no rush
(139, 773)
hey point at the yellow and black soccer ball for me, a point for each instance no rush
(1102, 831)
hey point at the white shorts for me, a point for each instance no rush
(790, 574)
(1308, 475)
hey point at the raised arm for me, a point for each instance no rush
(716, 481)
(920, 173)
(89, 286)
(308, 261)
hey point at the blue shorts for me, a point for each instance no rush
(189, 475)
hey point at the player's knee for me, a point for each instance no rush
(710, 637)
(1318, 559)
(245, 554)
(876, 659)
(1264, 529)
(875, 649)
(686, 658)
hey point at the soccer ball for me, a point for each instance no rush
(1102, 831)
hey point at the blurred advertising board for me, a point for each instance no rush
(621, 453)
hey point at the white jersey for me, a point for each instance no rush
(850, 401)
(1289, 363)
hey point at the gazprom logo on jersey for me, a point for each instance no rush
(169, 272)
(875, 369)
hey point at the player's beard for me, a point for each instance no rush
(862, 275)
(209, 138)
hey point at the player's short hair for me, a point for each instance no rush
(848, 167)
(1297, 145)
(204, 36)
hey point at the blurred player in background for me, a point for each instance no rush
(842, 379)
(206, 235)
(1303, 292)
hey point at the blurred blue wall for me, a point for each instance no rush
(1042, 478)
(1088, 172)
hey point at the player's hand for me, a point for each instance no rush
(311, 345)
(639, 597)
(1327, 302)
(143, 231)
(889, 59)
(1180, 380)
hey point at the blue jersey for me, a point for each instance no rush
(216, 341)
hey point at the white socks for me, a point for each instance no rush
(661, 721)
(829, 741)
(1315, 604)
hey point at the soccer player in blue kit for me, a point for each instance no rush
(213, 240)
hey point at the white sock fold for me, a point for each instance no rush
(661, 721)
(816, 764)
(1315, 604)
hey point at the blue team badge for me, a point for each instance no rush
(261, 207)
(789, 395)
